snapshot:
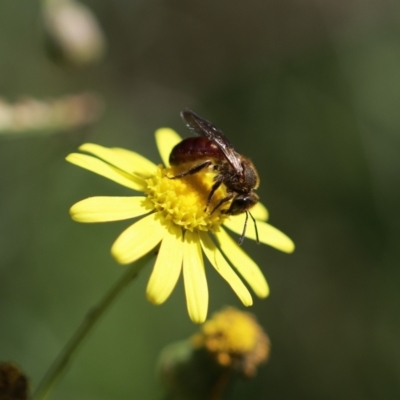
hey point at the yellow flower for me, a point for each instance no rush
(175, 218)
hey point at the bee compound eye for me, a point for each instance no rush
(239, 204)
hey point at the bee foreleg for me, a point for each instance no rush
(222, 201)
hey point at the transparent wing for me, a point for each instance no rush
(202, 127)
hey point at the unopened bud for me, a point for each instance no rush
(235, 340)
(229, 345)
(13, 383)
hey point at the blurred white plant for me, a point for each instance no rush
(73, 35)
(31, 115)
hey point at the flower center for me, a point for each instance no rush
(184, 200)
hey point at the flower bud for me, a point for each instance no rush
(235, 340)
(229, 345)
(13, 383)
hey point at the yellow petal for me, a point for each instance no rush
(195, 278)
(166, 140)
(115, 158)
(259, 211)
(101, 168)
(168, 266)
(267, 233)
(243, 263)
(103, 209)
(221, 265)
(141, 165)
(138, 239)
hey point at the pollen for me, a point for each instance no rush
(184, 200)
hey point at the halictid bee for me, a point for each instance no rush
(212, 149)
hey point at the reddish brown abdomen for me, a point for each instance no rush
(195, 149)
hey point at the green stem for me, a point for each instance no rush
(92, 317)
(221, 385)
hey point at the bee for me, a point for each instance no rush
(211, 149)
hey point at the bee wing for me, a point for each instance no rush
(202, 127)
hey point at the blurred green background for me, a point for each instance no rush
(310, 90)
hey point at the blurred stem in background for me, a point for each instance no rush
(229, 346)
(93, 316)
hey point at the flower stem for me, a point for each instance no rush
(70, 350)
(221, 385)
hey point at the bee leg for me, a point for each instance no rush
(192, 170)
(214, 187)
(222, 201)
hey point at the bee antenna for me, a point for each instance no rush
(255, 228)
(244, 228)
(241, 239)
